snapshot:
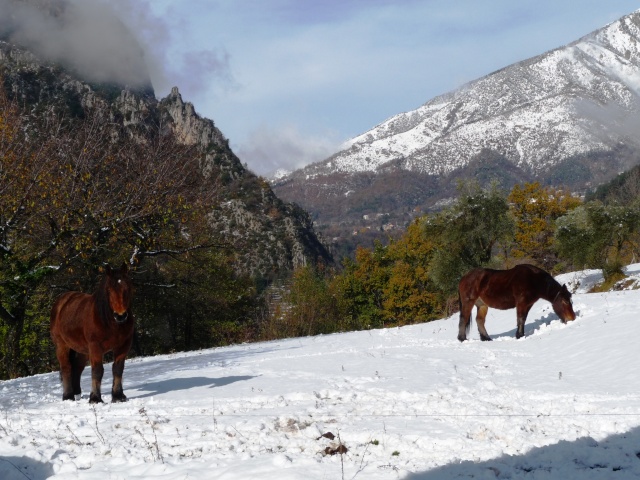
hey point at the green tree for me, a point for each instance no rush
(310, 305)
(363, 283)
(467, 234)
(193, 302)
(598, 236)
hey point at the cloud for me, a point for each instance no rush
(609, 120)
(268, 149)
(121, 41)
(86, 37)
(194, 69)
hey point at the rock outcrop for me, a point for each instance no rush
(272, 237)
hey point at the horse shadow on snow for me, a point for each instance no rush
(175, 384)
(530, 327)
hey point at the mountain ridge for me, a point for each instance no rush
(273, 237)
(564, 117)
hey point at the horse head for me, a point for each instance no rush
(119, 292)
(563, 306)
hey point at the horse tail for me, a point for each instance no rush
(464, 322)
(468, 327)
(72, 357)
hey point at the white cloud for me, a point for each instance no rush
(84, 36)
(268, 149)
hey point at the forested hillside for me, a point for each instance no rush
(415, 277)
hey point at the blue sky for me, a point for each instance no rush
(288, 80)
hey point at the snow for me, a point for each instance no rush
(538, 112)
(278, 174)
(410, 402)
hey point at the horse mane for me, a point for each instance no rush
(553, 287)
(103, 308)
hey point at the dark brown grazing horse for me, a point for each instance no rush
(519, 287)
(87, 326)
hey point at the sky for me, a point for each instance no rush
(409, 403)
(288, 81)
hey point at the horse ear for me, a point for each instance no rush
(107, 269)
(124, 268)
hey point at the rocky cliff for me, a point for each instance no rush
(272, 236)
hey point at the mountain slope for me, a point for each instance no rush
(408, 402)
(568, 116)
(272, 236)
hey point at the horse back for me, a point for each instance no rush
(503, 289)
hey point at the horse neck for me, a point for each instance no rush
(552, 290)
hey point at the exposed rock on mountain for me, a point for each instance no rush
(569, 116)
(272, 236)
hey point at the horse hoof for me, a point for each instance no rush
(94, 399)
(68, 397)
(461, 338)
(121, 399)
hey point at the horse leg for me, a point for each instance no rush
(480, 318)
(522, 312)
(117, 394)
(97, 371)
(66, 369)
(465, 319)
(79, 363)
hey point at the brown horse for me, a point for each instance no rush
(519, 287)
(87, 326)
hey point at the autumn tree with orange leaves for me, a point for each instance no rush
(535, 210)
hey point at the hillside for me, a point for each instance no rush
(408, 402)
(272, 236)
(623, 189)
(566, 117)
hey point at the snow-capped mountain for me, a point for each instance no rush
(559, 117)
(538, 112)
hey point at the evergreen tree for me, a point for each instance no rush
(599, 236)
(467, 234)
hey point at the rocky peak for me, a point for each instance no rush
(190, 127)
(273, 236)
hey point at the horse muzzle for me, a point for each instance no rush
(120, 317)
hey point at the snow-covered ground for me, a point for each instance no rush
(412, 402)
